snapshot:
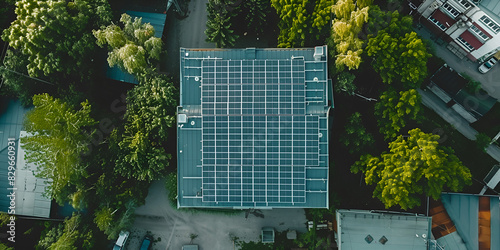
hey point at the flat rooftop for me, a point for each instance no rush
(252, 128)
(360, 229)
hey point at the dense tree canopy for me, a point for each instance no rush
(17, 82)
(73, 234)
(58, 136)
(219, 25)
(133, 47)
(344, 82)
(303, 23)
(395, 109)
(414, 166)
(150, 113)
(56, 35)
(398, 53)
(356, 138)
(255, 14)
(350, 16)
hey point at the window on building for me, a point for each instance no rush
(476, 31)
(465, 3)
(490, 23)
(436, 22)
(465, 43)
(450, 10)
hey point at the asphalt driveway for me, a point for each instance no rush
(489, 81)
(188, 32)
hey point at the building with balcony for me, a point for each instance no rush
(471, 28)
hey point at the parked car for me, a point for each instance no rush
(487, 65)
(122, 239)
(146, 243)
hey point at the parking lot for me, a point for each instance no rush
(213, 229)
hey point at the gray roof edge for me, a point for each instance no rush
(466, 194)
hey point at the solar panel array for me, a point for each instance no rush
(256, 138)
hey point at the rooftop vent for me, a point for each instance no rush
(318, 53)
(383, 240)
(181, 118)
(369, 239)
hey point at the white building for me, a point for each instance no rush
(472, 28)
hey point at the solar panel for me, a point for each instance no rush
(256, 138)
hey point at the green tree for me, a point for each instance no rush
(103, 218)
(356, 138)
(133, 47)
(398, 54)
(124, 219)
(345, 83)
(395, 109)
(255, 14)
(74, 234)
(302, 22)
(482, 141)
(50, 236)
(56, 35)
(5, 247)
(150, 113)
(58, 136)
(17, 82)
(219, 30)
(347, 24)
(171, 186)
(413, 167)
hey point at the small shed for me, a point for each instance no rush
(267, 235)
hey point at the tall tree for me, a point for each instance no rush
(349, 19)
(256, 14)
(413, 166)
(395, 109)
(17, 82)
(398, 53)
(302, 22)
(75, 235)
(58, 136)
(133, 47)
(356, 138)
(150, 113)
(56, 35)
(345, 83)
(219, 26)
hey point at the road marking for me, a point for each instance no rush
(172, 233)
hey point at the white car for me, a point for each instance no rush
(122, 239)
(486, 66)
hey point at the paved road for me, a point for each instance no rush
(431, 101)
(174, 227)
(489, 81)
(188, 33)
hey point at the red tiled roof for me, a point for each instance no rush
(471, 39)
(483, 30)
(443, 18)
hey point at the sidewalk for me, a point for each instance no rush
(489, 81)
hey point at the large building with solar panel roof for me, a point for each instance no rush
(252, 128)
